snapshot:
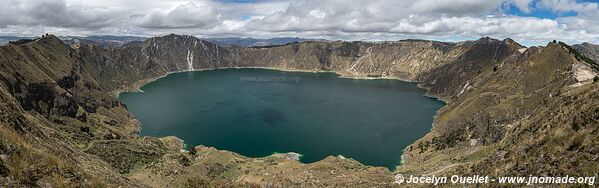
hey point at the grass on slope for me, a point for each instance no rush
(22, 164)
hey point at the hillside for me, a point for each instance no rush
(510, 111)
(589, 50)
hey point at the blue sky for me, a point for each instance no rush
(539, 13)
(530, 22)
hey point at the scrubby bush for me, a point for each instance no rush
(193, 151)
(22, 41)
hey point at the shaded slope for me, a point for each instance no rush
(589, 50)
(515, 119)
(55, 109)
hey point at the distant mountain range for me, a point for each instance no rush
(106, 41)
(109, 41)
(5, 39)
(252, 42)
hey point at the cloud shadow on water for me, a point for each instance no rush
(273, 117)
(269, 116)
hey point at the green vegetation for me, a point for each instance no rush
(193, 151)
(125, 155)
(480, 154)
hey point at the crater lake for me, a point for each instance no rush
(258, 112)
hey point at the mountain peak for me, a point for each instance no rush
(49, 37)
(175, 36)
(509, 40)
(487, 40)
(512, 42)
(588, 44)
(552, 43)
(50, 40)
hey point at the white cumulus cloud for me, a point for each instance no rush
(330, 19)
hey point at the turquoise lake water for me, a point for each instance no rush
(257, 112)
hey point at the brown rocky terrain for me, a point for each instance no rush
(510, 111)
(589, 50)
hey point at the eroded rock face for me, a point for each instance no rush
(516, 104)
(403, 59)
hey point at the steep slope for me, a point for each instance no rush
(589, 50)
(159, 56)
(507, 110)
(46, 120)
(453, 79)
(403, 59)
(516, 118)
(155, 57)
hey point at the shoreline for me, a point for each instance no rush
(136, 87)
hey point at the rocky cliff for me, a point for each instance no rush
(510, 111)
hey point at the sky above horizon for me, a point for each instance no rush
(530, 22)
